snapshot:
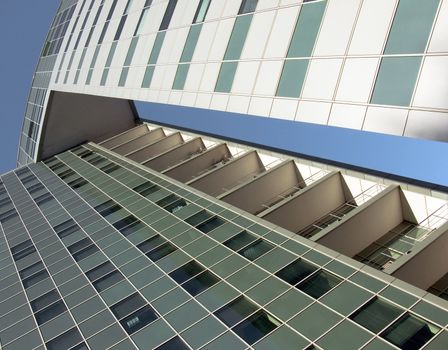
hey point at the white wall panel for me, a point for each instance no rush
(313, 112)
(385, 120)
(284, 108)
(245, 76)
(238, 104)
(209, 77)
(258, 35)
(321, 78)
(194, 77)
(357, 80)
(372, 27)
(335, 32)
(281, 33)
(221, 39)
(205, 41)
(439, 39)
(260, 106)
(347, 116)
(268, 76)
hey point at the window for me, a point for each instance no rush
(82, 249)
(35, 188)
(79, 182)
(176, 206)
(292, 78)
(319, 283)
(45, 198)
(410, 332)
(239, 241)
(151, 243)
(31, 270)
(256, 326)
(161, 251)
(34, 279)
(108, 281)
(45, 300)
(201, 11)
(66, 173)
(174, 344)
(296, 272)
(376, 315)
(256, 249)
(198, 218)
(128, 225)
(225, 77)
(109, 168)
(168, 14)
(210, 224)
(50, 312)
(8, 215)
(146, 189)
(22, 249)
(128, 306)
(100, 271)
(235, 311)
(199, 283)
(65, 341)
(247, 6)
(107, 208)
(185, 272)
(66, 228)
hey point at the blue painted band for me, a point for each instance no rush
(410, 160)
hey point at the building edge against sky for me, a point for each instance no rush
(153, 234)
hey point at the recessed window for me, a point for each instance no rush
(376, 315)
(168, 14)
(296, 272)
(84, 253)
(8, 215)
(256, 326)
(410, 332)
(201, 11)
(210, 224)
(198, 218)
(45, 300)
(80, 182)
(66, 228)
(50, 312)
(34, 279)
(185, 272)
(100, 271)
(110, 168)
(176, 206)
(22, 250)
(247, 6)
(256, 249)
(151, 243)
(235, 311)
(161, 251)
(45, 198)
(319, 283)
(107, 281)
(31, 270)
(138, 319)
(146, 189)
(200, 282)
(239, 241)
(128, 306)
(107, 208)
(128, 225)
(65, 341)
(174, 344)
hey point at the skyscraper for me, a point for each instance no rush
(231, 174)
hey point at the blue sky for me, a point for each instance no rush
(24, 25)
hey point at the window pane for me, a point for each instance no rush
(168, 14)
(226, 76)
(307, 27)
(210, 224)
(411, 26)
(235, 311)
(83, 243)
(34, 279)
(161, 251)
(256, 326)
(239, 241)
(376, 315)
(174, 344)
(190, 43)
(318, 284)
(82, 254)
(45, 300)
(201, 12)
(410, 332)
(108, 281)
(128, 305)
(296, 272)
(396, 81)
(238, 37)
(198, 218)
(200, 283)
(138, 319)
(256, 249)
(186, 271)
(151, 243)
(31, 270)
(65, 341)
(50, 312)
(291, 80)
(146, 188)
(247, 6)
(100, 271)
(181, 76)
(66, 228)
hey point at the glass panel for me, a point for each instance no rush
(108, 281)
(198, 218)
(78, 256)
(239, 241)
(168, 14)
(396, 81)
(151, 243)
(256, 326)
(201, 12)
(318, 284)
(376, 315)
(410, 332)
(296, 271)
(161, 251)
(174, 344)
(247, 6)
(100, 271)
(65, 341)
(226, 76)
(307, 27)
(238, 37)
(200, 283)
(141, 22)
(139, 319)
(128, 305)
(186, 271)
(181, 76)
(34, 279)
(146, 189)
(235, 311)
(411, 26)
(291, 80)
(50, 312)
(44, 300)
(210, 224)
(256, 249)
(190, 43)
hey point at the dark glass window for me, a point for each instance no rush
(410, 332)
(83, 243)
(146, 188)
(151, 243)
(256, 249)
(100, 271)
(200, 282)
(35, 188)
(167, 200)
(42, 199)
(120, 27)
(235, 311)
(50, 312)
(107, 281)
(66, 340)
(109, 168)
(128, 225)
(78, 183)
(161, 251)
(139, 319)
(174, 344)
(66, 228)
(296, 271)
(127, 306)
(107, 208)
(176, 206)
(256, 326)
(376, 315)
(185, 272)
(239, 241)
(82, 254)
(8, 215)
(168, 14)
(247, 6)
(198, 218)
(319, 283)
(66, 173)
(31, 270)
(210, 224)
(97, 159)
(45, 300)
(22, 250)
(34, 279)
